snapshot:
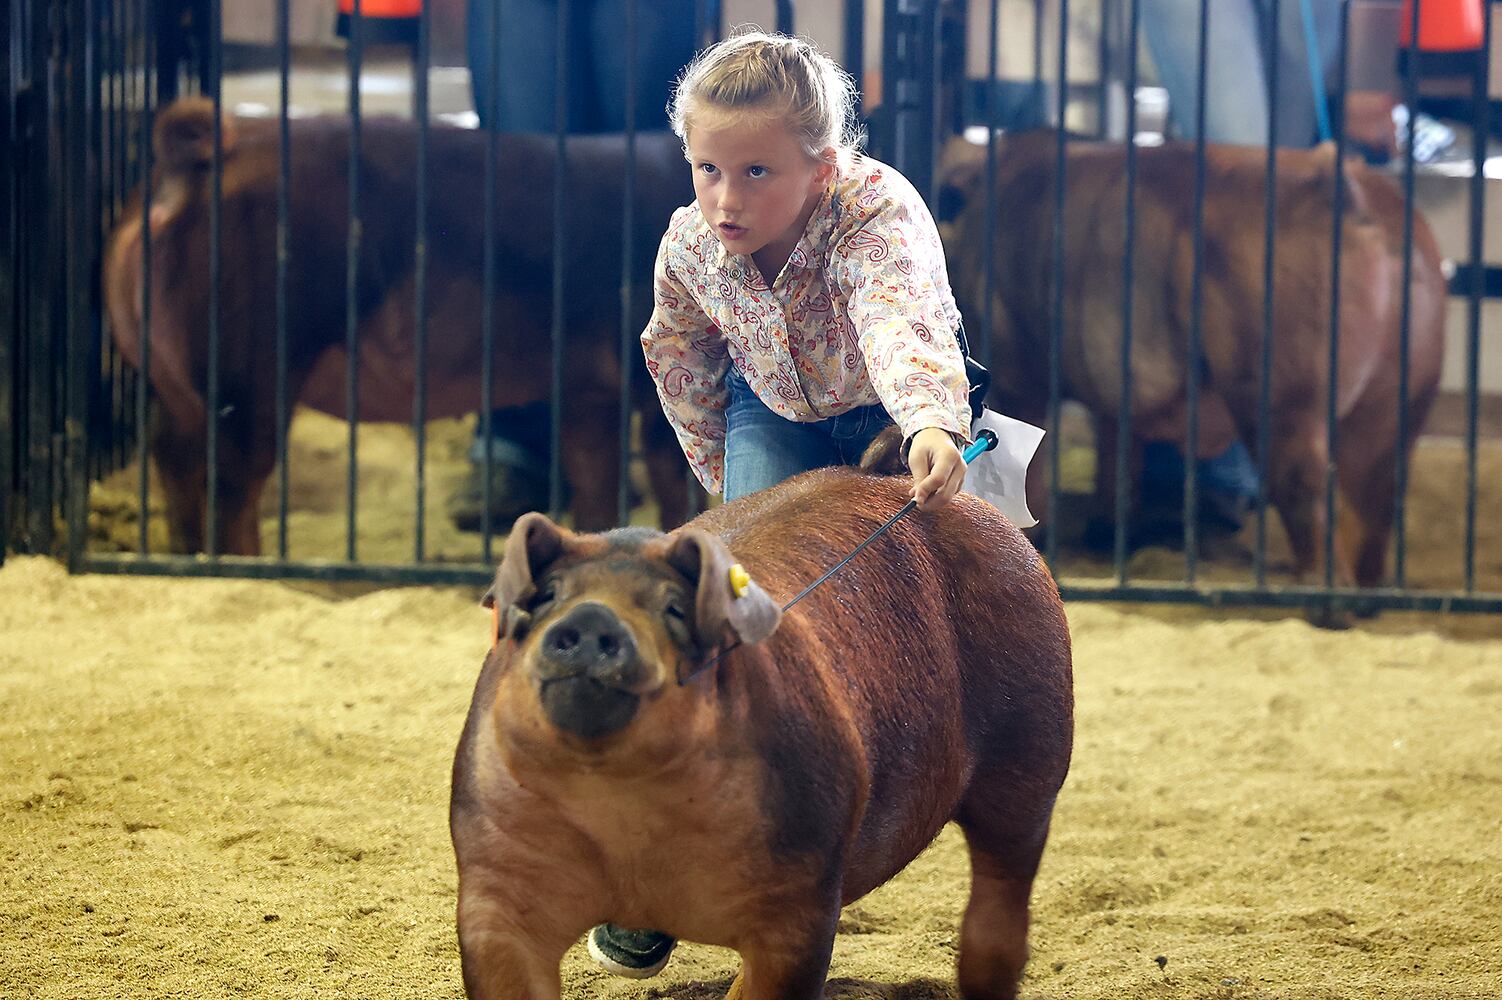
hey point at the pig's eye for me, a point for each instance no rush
(677, 622)
(545, 595)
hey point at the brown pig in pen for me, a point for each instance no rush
(656, 740)
(386, 277)
(1371, 285)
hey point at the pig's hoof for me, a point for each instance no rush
(628, 953)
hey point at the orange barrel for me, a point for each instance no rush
(381, 8)
(1445, 25)
(381, 21)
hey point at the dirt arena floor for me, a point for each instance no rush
(230, 788)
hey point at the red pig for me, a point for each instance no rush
(319, 229)
(652, 742)
(1367, 389)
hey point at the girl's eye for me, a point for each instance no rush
(707, 168)
(757, 171)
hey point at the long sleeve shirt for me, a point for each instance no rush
(862, 313)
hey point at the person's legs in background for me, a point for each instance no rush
(664, 45)
(512, 50)
(1235, 84)
(513, 73)
(1236, 112)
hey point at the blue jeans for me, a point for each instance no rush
(521, 97)
(1236, 108)
(762, 448)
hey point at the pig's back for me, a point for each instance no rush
(930, 646)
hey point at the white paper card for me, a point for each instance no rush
(999, 476)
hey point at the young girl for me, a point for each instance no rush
(801, 304)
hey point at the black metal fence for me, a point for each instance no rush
(85, 83)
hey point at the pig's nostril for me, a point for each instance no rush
(564, 639)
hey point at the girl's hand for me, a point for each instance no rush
(938, 467)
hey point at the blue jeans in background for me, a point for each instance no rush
(762, 448)
(1236, 70)
(595, 49)
(513, 80)
(1237, 112)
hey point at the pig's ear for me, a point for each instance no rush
(728, 604)
(533, 544)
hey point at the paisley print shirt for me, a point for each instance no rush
(862, 313)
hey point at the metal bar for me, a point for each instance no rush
(935, 99)
(10, 333)
(988, 246)
(487, 306)
(1465, 272)
(283, 263)
(630, 344)
(1056, 329)
(82, 215)
(42, 279)
(125, 53)
(143, 384)
(110, 26)
(1103, 69)
(1332, 426)
(1038, 51)
(478, 575)
(1269, 275)
(711, 26)
(216, 220)
(1481, 134)
(1196, 311)
(255, 568)
(560, 222)
(1444, 602)
(96, 30)
(855, 44)
(352, 288)
(1123, 455)
(420, 284)
(102, 26)
(1400, 455)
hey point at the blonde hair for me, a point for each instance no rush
(777, 75)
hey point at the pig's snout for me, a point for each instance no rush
(589, 664)
(591, 641)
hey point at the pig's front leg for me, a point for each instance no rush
(790, 961)
(508, 952)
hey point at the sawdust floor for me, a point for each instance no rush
(219, 788)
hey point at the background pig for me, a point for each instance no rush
(600, 777)
(318, 239)
(1094, 234)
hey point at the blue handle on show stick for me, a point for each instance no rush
(984, 442)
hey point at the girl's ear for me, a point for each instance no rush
(828, 157)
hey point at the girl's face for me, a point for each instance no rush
(755, 185)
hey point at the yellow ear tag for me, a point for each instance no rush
(495, 626)
(739, 580)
